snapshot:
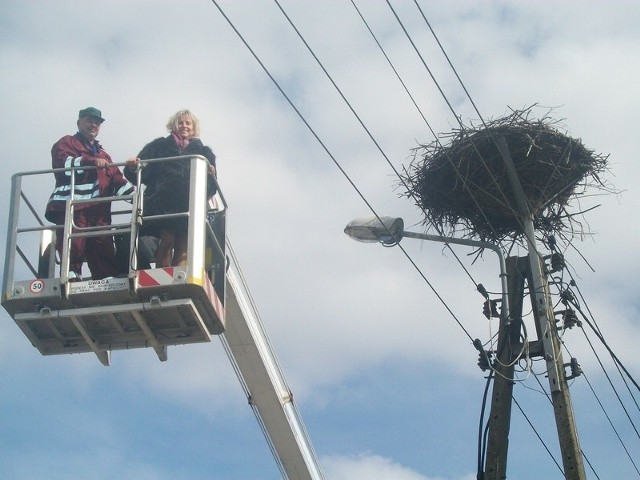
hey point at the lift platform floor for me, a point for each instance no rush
(105, 315)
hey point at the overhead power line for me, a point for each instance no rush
(335, 161)
(376, 143)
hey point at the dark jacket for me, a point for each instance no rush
(167, 183)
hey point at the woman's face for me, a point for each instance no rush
(184, 129)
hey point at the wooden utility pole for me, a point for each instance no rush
(502, 396)
(560, 396)
(547, 346)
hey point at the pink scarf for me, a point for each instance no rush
(181, 142)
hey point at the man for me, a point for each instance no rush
(82, 149)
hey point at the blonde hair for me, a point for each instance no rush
(172, 124)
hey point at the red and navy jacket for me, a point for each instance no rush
(76, 151)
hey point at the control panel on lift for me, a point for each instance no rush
(147, 306)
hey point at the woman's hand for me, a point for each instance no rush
(133, 164)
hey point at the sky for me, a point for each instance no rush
(384, 377)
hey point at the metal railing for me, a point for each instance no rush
(39, 255)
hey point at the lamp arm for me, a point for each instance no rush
(473, 243)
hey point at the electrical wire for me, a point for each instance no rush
(570, 243)
(342, 96)
(482, 430)
(517, 216)
(604, 410)
(359, 119)
(444, 96)
(479, 471)
(567, 298)
(570, 299)
(473, 103)
(538, 435)
(598, 333)
(411, 97)
(337, 164)
(370, 135)
(611, 384)
(357, 116)
(550, 400)
(507, 204)
(385, 156)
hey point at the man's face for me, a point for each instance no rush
(89, 127)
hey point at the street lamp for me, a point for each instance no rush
(390, 230)
(386, 230)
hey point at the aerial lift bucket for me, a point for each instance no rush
(154, 307)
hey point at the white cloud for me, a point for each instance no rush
(367, 466)
(334, 309)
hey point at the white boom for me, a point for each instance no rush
(251, 354)
(151, 307)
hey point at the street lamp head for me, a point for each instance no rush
(385, 230)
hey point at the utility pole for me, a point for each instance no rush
(547, 346)
(560, 396)
(502, 396)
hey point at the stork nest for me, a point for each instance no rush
(461, 182)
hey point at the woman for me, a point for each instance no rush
(167, 185)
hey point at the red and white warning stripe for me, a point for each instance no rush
(155, 277)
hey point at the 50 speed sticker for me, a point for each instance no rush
(36, 286)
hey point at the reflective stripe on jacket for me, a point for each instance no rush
(75, 151)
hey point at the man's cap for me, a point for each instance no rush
(91, 112)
